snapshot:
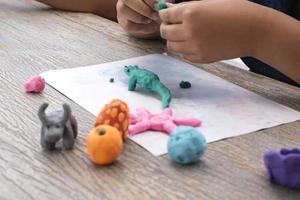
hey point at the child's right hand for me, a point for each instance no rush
(138, 18)
(209, 31)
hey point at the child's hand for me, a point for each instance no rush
(208, 31)
(138, 17)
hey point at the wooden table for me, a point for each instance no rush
(33, 39)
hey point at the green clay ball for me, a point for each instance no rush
(111, 80)
(185, 84)
(161, 6)
(186, 145)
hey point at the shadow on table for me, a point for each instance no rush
(284, 192)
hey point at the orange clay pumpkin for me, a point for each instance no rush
(104, 144)
(115, 114)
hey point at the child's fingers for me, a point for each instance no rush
(169, 5)
(200, 58)
(172, 15)
(179, 47)
(193, 58)
(141, 7)
(134, 16)
(151, 3)
(139, 28)
(172, 32)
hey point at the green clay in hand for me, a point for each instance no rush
(147, 80)
(161, 5)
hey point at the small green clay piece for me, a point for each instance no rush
(147, 80)
(185, 84)
(160, 5)
(111, 80)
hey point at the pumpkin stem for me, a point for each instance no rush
(102, 132)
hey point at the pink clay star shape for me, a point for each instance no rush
(165, 122)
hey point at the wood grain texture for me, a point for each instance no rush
(33, 39)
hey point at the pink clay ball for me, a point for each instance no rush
(35, 84)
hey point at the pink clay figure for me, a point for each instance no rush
(164, 122)
(35, 84)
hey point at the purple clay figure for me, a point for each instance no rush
(57, 125)
(284, 167)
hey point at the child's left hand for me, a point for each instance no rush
(208, 31)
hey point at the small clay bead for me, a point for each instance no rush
(185, 84)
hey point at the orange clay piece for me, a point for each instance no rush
(115, 114)
(104, 144)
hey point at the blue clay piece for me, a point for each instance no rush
(186, 145)
(283, 167)
(161, 5)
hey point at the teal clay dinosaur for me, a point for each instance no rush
(147, 80)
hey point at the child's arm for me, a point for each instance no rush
(280, 47)
(104, 8)
(208, 31)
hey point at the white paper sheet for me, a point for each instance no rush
(225, 109)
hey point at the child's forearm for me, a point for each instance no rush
(280, 47)
(104, 8)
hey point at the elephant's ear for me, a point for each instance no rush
(67, 113)
(41, 113)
